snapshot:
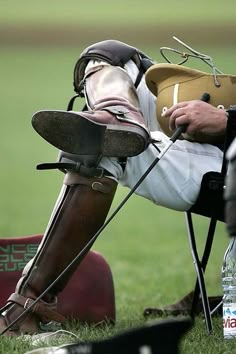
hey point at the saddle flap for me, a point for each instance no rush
(173, 83)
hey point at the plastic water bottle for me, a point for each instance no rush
(229, 290)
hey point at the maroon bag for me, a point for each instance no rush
(89, 295)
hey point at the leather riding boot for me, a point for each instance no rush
(113, 126)
(80, 211)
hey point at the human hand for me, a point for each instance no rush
(199, 116)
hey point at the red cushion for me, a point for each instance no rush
(89, 295)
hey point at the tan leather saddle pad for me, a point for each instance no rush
(173, 83)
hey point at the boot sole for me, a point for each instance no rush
(75, 134)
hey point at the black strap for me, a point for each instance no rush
(71, 102)
(76, 167)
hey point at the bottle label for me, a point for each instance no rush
(229, 320)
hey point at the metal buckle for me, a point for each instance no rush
(27, 303)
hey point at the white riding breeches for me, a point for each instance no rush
(175, 181)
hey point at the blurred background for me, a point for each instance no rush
(40, 43)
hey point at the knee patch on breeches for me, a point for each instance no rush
(115, 53)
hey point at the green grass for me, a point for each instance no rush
(146, 246)
(133, 12)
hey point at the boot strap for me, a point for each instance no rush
(100, 185)
(41, 308)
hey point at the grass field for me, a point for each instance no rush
(144, 243)
(75, 22)
(133, 12)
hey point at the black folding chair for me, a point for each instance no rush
(210, 203)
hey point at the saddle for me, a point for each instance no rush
(174, 83)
